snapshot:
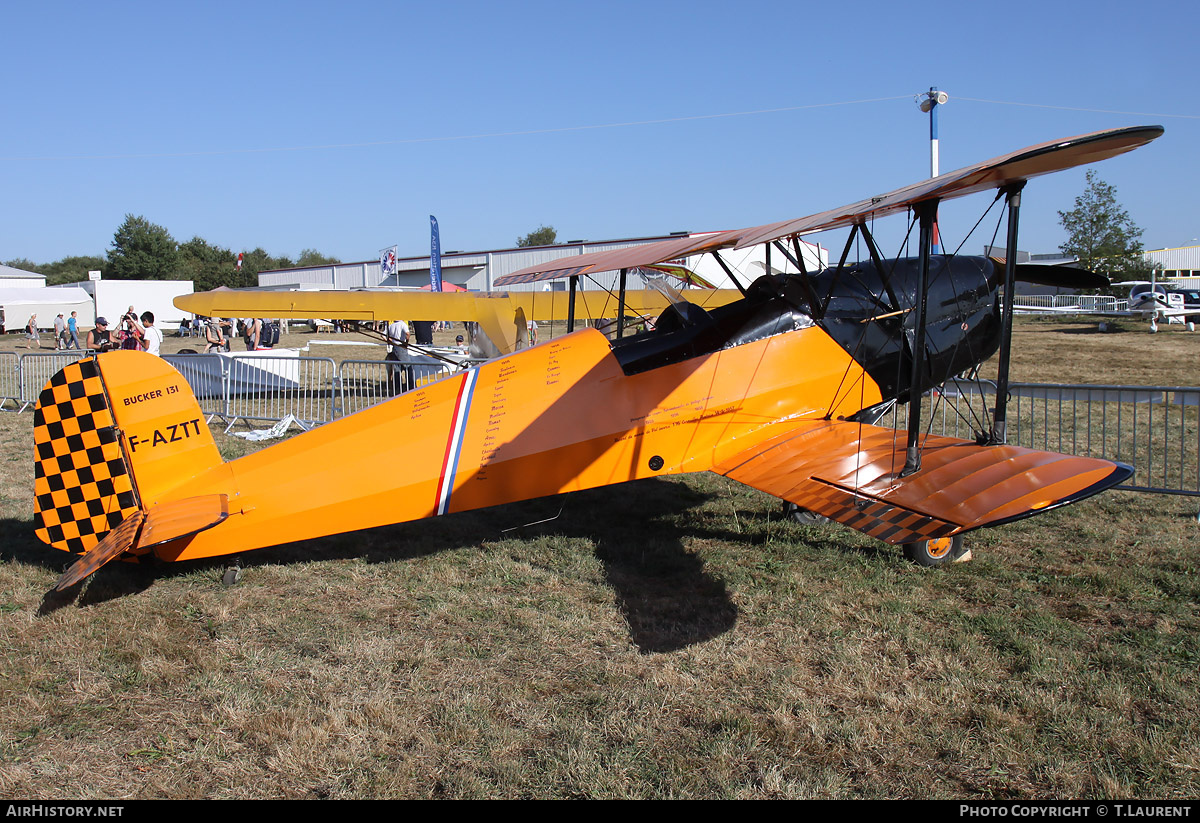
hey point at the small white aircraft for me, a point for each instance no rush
(1148, 299)
(1151, 299)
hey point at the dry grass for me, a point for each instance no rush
(671, 638)
(1074, 350)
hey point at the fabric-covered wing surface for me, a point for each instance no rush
(850, 473)
(1036, 160)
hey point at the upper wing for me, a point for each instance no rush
(1000, 171)
(850, 473)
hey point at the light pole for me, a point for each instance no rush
(929, 102)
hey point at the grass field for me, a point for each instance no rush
(667, 638)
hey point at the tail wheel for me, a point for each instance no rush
(935, 551)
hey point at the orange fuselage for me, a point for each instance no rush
(559, 417)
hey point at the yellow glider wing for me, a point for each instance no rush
(363, 306)
(502, 315)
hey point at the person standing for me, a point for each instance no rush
(60, 333)
(213, 337)
(152, 336)
(129, 335)
(397, 352)
(73, 330)
(31, 332)
(99, 338)
(253, 333)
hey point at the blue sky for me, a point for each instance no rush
(342, 126)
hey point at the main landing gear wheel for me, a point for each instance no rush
(936, 551)
(803, 516)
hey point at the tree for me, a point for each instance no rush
(142, 250)
(257, 260)
(542, 236)
(1102, 237)
(206, 265)
(312, 257)
(68, 270)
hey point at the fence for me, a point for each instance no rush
(10, 380)
(35, 370)
(1153, 428)
(1066, 302)
(363, 383)
(261, 388)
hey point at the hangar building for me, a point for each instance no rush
(478, 270)
(1182, 262)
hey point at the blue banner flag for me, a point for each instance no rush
(435, 256)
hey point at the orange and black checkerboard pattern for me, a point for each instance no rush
(82, 485)
(883, 521)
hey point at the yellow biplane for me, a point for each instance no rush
(778, 389)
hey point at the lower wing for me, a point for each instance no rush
(850, 473)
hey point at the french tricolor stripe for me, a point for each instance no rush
(462, 409)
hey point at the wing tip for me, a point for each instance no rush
(1119, 473)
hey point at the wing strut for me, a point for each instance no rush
(854, 230)
(798, 261)
(574, 279)
(621, 304)
(728, 271)
(999, 433)
(927, 212)
(884, 273)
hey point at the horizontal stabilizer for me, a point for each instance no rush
(161, 524)
(183, 518)
(851, 473)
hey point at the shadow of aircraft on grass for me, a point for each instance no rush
(639, 531)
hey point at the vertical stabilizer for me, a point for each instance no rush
(83, 487)
(114, 435)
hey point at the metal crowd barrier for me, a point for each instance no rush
(260, 388)
(1156, 429)
(10, 381)
(205, 374)
(35, 371)
(1065, 302)
(363, 383)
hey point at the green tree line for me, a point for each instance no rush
(142, 250)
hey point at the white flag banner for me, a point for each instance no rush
(387, 261)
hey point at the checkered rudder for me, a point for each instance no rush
(82, 485)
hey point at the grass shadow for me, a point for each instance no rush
(639, 530)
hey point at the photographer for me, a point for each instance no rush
(131, 332)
